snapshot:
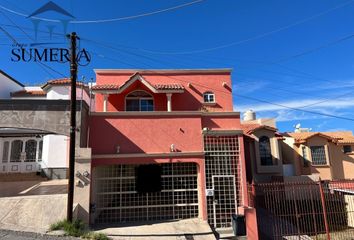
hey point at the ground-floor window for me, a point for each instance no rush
(22, 150)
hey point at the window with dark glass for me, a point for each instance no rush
(139, 101)
(40, 149)
(305, 157)
(265, 152)
(5, 153)
(318, 155)
(31, 150)
(347, 149)
(16, 150)
(209, 97)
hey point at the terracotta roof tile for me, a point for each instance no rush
(28, 93)
(105, 87)
(250, 128)
(61, 81)
(172, 86)
(339, 137)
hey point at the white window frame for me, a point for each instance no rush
(139, 98)
(209, 93)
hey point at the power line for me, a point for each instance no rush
(255, 37)
(255, 99)
(109, 19)
(42, 65)
(293, 108)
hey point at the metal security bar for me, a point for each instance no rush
(117, 200)
(305, 210)
(223, 177)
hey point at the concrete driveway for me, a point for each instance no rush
(168, 230)
(32, 206)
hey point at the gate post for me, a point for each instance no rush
(324, 210)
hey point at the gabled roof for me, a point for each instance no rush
(59, 82)
(342, 137)
(158, 88)
(28, 93)
(248, 129)
(11, 78)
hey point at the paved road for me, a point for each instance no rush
(12, 235)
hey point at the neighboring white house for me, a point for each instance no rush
(30, 150)
(8, 85)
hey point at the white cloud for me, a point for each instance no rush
(338, 107)
(316, 104)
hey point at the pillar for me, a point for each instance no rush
(169, 102)
(105, 99)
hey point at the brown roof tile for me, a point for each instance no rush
(28, 93)
(339, 137)
(172, 86)
(250, 128)
(105, 87)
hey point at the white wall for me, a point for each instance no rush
(55, 151)
(7, 86)
(63, 92)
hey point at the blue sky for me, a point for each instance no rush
(297, 54)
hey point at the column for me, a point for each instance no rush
(169, 102)
(105, 98)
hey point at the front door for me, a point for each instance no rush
(224, 204)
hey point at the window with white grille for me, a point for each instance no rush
(318, 155)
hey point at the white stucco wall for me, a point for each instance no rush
(7, 86)
(63, 92)
(55, 151)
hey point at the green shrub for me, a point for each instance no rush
(95, 236)
(77, 229)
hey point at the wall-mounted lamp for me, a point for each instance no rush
(117, 149)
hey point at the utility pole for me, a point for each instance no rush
(73, 77)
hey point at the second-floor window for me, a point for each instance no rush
(209, 97)
(318, 155)
(139, 101)
(265, 152)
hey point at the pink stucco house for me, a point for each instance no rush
(166, 144)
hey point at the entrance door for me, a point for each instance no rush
(224, 204)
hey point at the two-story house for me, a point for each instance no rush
(166, 144)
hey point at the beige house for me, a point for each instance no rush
(328, 155)
(262, 152)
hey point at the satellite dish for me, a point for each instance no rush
(298, 125)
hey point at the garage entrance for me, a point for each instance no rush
(121, 194)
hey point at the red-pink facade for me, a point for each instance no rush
(182, 128)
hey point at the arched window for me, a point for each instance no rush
(16, 150)
(209, 97)
(31, 150)
(5, 152)
(265, 152)
(140, 101)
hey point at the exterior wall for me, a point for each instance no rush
(190, 100)
(7, 86)
(145, 134)
(63, 92)
(342, 163)
(264, 172)
(339, 165)
(55, 151)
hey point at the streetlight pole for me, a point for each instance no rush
(73, 77)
